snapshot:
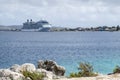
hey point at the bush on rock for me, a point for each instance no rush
(33, 75)
(85, 70)
(116, 69)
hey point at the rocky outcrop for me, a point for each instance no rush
(48, 74)
(58, 70)
(27, 67)
(48, 68)
(6, 74)
(52, 66)
(47, 64)
(15, 68)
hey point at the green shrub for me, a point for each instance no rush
(116, 69)
(74, 75)
(85, 70)
(33, 75)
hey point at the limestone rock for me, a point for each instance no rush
(5, 78)
(58, 70)
(47, 65)
(28, 67)
(6, 73)
(47, 74)
(15, 68)
(52, 66)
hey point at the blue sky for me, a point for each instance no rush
(67, 13)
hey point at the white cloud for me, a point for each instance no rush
(61, 12)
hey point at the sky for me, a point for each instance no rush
(65, 13)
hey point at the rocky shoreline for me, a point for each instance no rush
(50, 69)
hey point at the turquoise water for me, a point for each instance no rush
(101, 49)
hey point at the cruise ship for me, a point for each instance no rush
(41, 25)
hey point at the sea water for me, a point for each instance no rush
(101, 49)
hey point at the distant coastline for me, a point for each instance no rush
(63, 29)
(45, 26)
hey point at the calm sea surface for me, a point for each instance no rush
(101, 49)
